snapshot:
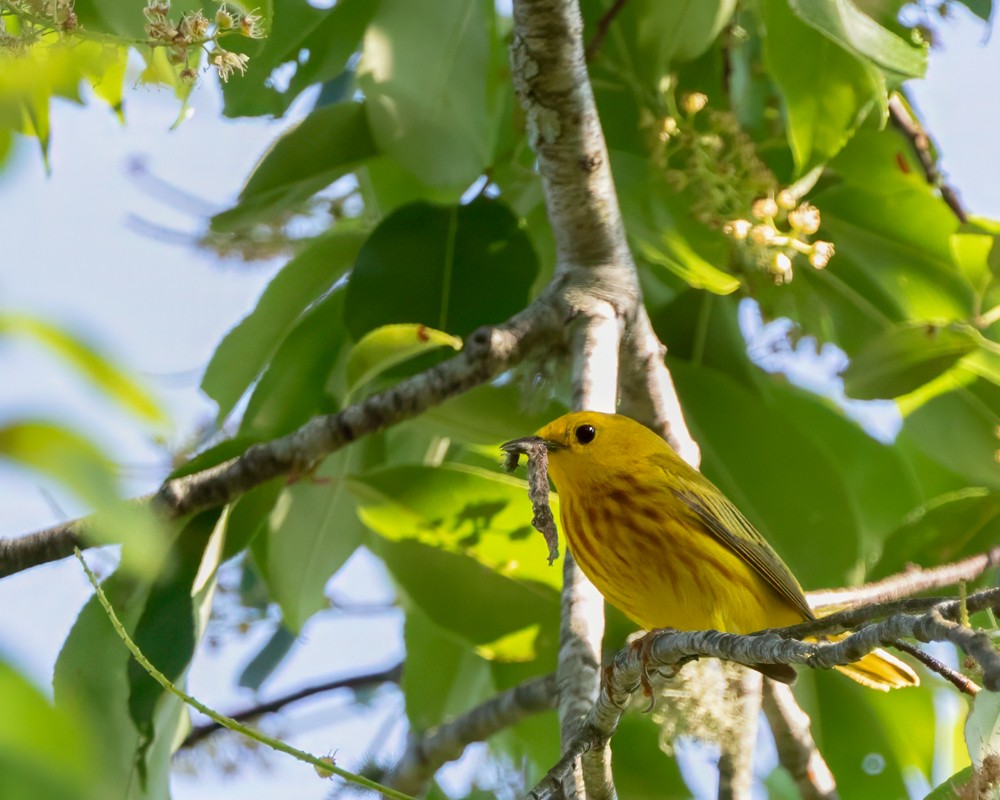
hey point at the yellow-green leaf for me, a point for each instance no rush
(385, 347)
(93, 366)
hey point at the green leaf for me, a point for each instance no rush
(747, 447)
(453, 269)
(490, 414)
(45, 752)
(313, 530)
(165, 631)
(661, 34)
(957, 429)
(948, 789)
(433, 91)
(250, 346)
(89, 363)
(905, 358)
(442, 677)
(880, 481)
(315, 44)
(327, 144)
(293, 388)
(827, 92)
(383, 348)
(943, 530)
(854, 30)
(908, 236)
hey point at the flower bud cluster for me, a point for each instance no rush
(778, 232)
(706, 151)
(193, 32)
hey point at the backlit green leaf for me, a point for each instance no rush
(383, 348)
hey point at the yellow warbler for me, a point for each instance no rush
(665, 546)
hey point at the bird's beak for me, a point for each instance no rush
(525, 442)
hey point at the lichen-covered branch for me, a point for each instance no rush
(668, 650)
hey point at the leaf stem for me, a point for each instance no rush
(322, 765)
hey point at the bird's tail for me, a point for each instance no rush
(881, 670)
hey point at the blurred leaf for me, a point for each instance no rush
(847, 25)
(165, 631)
(313, 529)
(248, 348)
(81, 467)
(958, 430)
(516, 646)
(827, 91)
(746, 448)
(45, 752)
(313, 44)
(453, 269)
(383, 348)
(442, 677)
(432, 89)
(943, 530)
(908, 236)
(880, 480)
(664, 234)
(890, 733)
(293, 387)
(905, 358)
(660, 34)
(641, 769)
(114, 383)
(268, 658)
(324, 146)
(982, 728)
(91, 678)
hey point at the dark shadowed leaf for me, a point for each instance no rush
(450, 268)
(905, 358)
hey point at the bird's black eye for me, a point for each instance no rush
(585, 434)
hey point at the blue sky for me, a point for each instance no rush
(73, 256)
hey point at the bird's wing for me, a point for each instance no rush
(725, 522)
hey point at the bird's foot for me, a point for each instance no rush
(643, 647)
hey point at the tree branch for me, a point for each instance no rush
(669, 650)
(910, 582)
(428, 751)
(736, 761)
(911, 129)
(797, 750)
(487, 352)
(390, 675)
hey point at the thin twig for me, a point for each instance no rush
(921, 143)
(390, 675)
(964, 684)
(603, 26)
